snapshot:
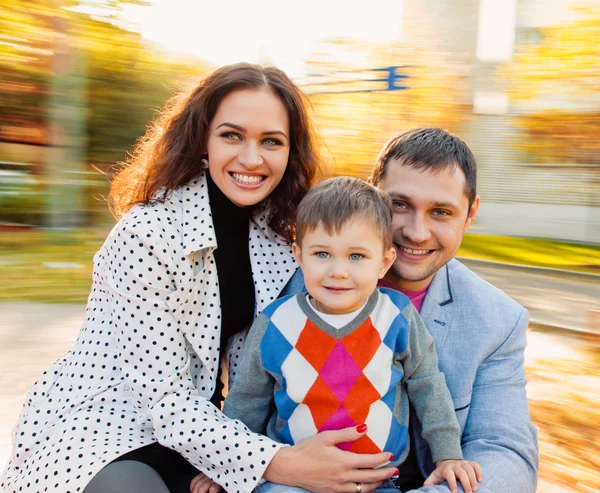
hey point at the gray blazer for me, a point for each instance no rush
(480, 335)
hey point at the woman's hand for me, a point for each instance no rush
(318, 465)
(203, 484)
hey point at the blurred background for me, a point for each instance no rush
(518, 80)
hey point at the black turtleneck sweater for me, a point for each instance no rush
(232, 257)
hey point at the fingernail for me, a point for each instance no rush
(391, 456)
(396, 472)
(361, 428)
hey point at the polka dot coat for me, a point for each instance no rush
(144, 365)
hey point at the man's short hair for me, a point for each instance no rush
(334, 202)
(431, 149)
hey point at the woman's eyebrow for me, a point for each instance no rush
(232, 125)
(242, 129)
(275, 132)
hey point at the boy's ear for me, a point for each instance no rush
(388, 260)
(296, 250)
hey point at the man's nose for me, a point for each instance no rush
(250, 156)
(417, 229)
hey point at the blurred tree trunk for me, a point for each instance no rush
(67, 124)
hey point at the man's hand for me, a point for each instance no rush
(467, 472)
(203, 484)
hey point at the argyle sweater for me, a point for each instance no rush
(300, 376)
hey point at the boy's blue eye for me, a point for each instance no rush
(355, 256)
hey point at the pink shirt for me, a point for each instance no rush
(416, 297)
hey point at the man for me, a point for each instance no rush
(479, 331)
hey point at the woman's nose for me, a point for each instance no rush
(250, 155)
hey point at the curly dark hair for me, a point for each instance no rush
(169, 154)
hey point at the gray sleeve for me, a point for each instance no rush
(427, 391)
(250, 398)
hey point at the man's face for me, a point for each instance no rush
(430, 216)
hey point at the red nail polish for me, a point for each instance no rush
(391, 456)
(361, 428)
(396, 472)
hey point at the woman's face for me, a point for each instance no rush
(248, 145)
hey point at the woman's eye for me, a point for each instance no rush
(398, 205)
(355, 256)
(322, 255)
(231, 136)
(272, 142)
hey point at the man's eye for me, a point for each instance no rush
(441, 213)
(398, 205)
(355, 256)
(322, 255)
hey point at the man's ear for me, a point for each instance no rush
(297, 251)
(472, 213)
(388, 260)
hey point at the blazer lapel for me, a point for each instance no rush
(436, 311)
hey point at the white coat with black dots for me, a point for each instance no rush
(144, 365)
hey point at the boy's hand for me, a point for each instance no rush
(467, 472)
(203, 484)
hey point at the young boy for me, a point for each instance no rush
(347, 353)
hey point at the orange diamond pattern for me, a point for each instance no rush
(315, 345)
(359, 399)
(321, 401)
(364, 445)
(362, 343)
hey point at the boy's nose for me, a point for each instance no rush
(338, 271)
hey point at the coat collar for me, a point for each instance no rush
(265, 245)
(197, 223)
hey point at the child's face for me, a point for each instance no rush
(341, 270)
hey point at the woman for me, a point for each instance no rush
(135, 404)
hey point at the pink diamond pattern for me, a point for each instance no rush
(340, 364)
(340, 419)
(340, 371)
